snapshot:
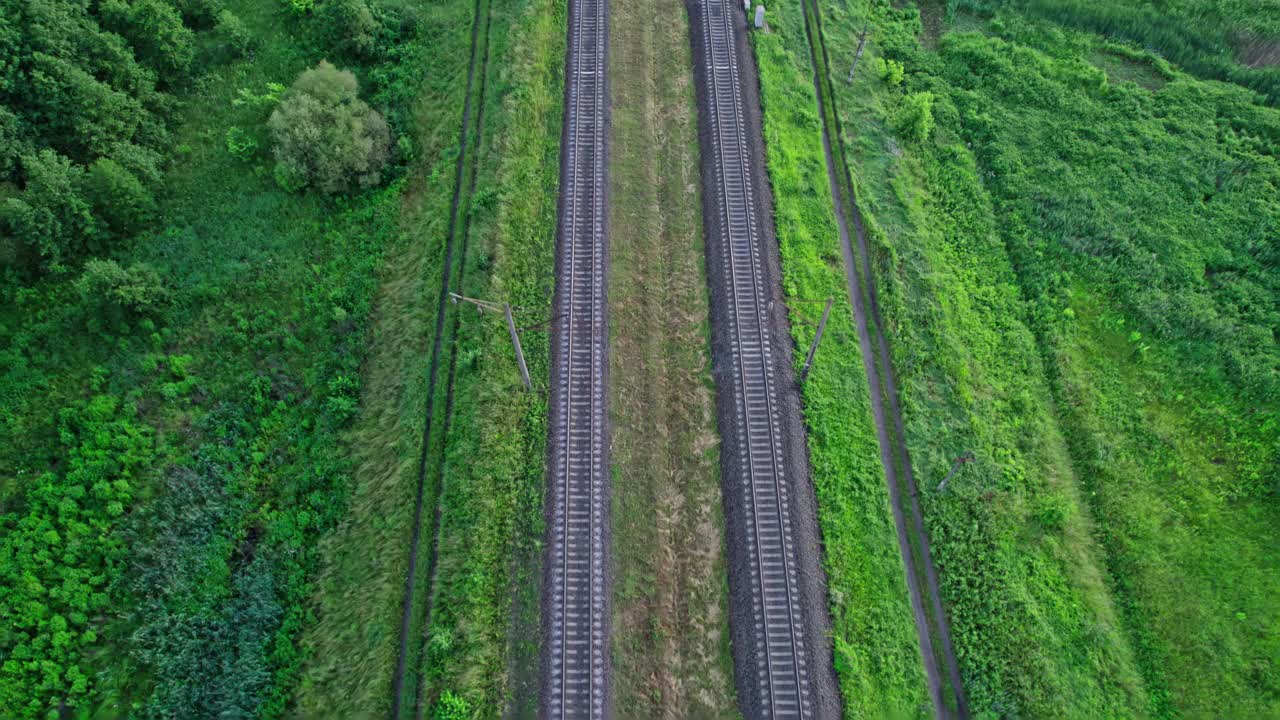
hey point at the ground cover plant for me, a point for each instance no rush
(1079, 289)
(480, 647)
(670, 634)
(877, 655)
(183, 358)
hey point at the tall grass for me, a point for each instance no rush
(877, 656)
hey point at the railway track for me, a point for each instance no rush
(778, 656)
(575, 663)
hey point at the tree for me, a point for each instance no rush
(231, 29)
(50, 217)
(351, 26)
(118, 198)
(155, 30)
(325, 136)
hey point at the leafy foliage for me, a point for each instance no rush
(59, 552)
(324, 135)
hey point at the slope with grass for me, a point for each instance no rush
(670, 630)
(353, 641)
(1079, 291)
(480, 648)
(877, 656)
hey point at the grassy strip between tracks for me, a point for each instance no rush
(1051, 281)
(671, 655)
(877, 656)
(481, 646)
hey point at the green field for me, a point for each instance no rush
(190, 424)
(1071, 251)
(223, 231)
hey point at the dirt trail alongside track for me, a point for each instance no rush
(947, 694)
(458, 227)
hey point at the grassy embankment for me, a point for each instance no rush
(242, 385)
(670, 633)
(353, 644)
(482, 642)
(877, 655)
(1074, 271)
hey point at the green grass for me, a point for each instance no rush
(353, 642)
(1051, 278)
(670, 635)
(481, 644)
(877, 656)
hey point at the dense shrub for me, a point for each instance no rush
(58, 553)
(326, 137)
(914, 119)
(350, 26)
(234, 34)
(116, 295)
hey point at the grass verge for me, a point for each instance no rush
(877, 656)
(670, 632)
(483, 631)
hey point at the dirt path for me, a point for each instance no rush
(464, 177)
(947, 694)
(671, 638)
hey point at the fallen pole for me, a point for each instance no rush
(515, 341)
(822, 325)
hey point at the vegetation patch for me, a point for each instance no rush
(671, 655)
(1050, 274)
(877, 655)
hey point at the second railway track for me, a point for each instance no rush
(575, 662)
(775, 677)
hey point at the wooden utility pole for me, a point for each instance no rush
(822, 325)
(862, 40)
(515, 342)
(963, 459)
(511, 327)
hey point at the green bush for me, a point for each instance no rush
(324, 136)
(117, 294)
(118, 198)
(350, 27)
(59, 556)
(890, 71)
(914, 118)
(241, 144)
(233, 33)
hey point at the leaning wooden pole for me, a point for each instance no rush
(862, 40)
(515, 342)
(813, 349)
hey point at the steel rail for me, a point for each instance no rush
(575, 674)
(779, 657)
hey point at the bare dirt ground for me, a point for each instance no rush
(670, 630)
